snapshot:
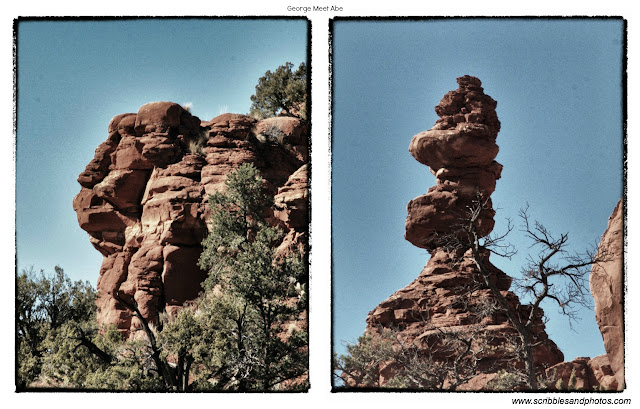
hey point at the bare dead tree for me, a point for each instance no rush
(553, 274)
(542, 273)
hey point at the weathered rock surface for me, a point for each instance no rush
(448, 297)
(144, 200)
(291, 203)
(607, 286)
(583, 374)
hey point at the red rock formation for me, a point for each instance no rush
(144, 199)
(291, 204)
(447, 297)
(606, 282)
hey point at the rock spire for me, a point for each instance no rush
(460, 150)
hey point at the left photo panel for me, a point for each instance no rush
(162, 204)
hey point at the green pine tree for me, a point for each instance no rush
(59, 345)
(241, 334)
(251, 292)
(282, 89)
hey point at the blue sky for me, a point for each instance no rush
(74, 76)
(558, 85)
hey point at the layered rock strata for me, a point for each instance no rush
(144, 199)
(448, 297)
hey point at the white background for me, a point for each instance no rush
(320, 287)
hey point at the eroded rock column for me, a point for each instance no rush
(448, 296)
(607, 286)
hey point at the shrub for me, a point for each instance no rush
(197, 144)
(273, 133)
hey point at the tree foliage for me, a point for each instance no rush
(46, 307)
(58, 343)
(259, 296)
(282, 89)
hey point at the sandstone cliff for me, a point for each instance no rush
(144, 199)
(607, 287)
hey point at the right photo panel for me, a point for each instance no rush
(478, 204)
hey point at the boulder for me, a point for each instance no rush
(583, 374)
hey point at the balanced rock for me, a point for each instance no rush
(460, 150)
(448, 299)
(144, 200)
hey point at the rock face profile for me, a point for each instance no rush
(445, 298)
(144, 199)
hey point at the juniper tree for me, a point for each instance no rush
(59, 345)
(252, 290)
(46, 305)
(282, 89)
(240, 334)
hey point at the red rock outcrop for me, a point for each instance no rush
(446, 297)
(144, 199)
(607, 287)
(583, 374)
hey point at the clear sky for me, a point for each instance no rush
(558, 84)
(74, 76)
